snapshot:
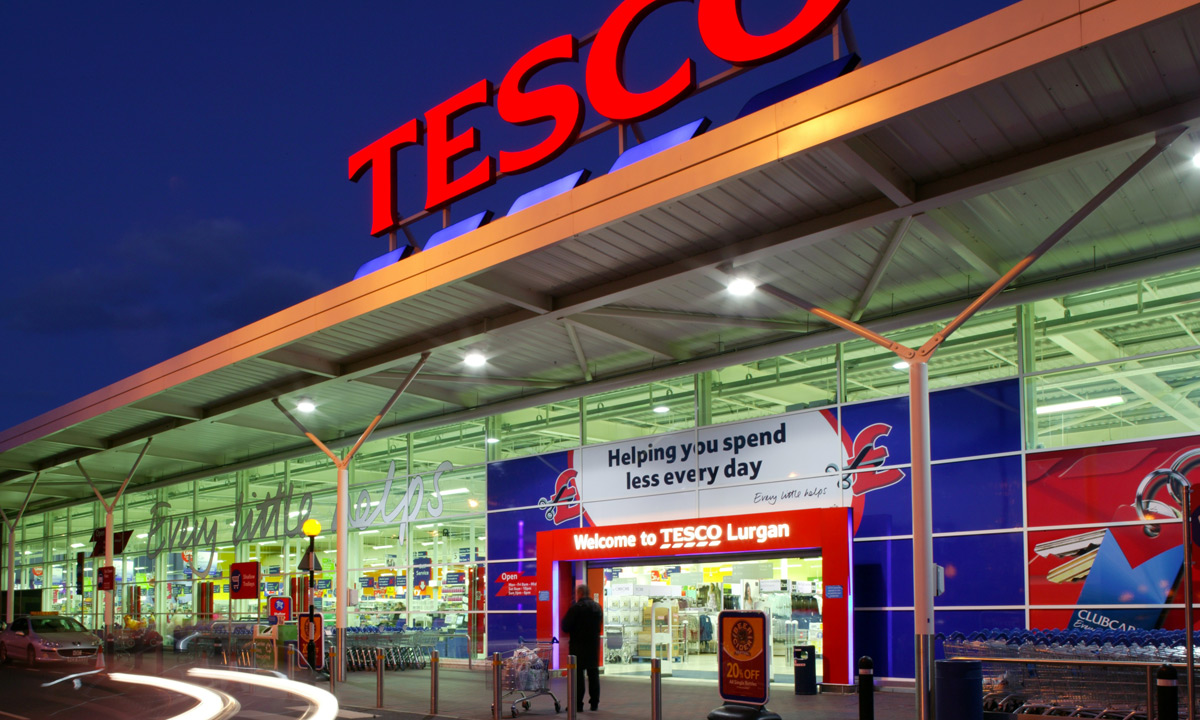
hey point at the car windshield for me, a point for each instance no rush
(56, 624)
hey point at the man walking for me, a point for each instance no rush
(583, 622)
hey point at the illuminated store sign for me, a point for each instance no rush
(723, 33)
(728, 536)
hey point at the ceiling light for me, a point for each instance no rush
(475, 359)
(143, 536)
(492, 441)
(740, 287)
(74, 545)
(902, 365)
(453, 491)
(661, 409)
(1081, 404)
(305, 405)
(382, 547)
(473, 502)
(368, 532)
(1196, 159)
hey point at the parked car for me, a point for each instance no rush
(48, 637)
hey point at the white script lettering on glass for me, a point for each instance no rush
(260, 520)
(366, 512)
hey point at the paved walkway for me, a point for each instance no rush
(467, 694)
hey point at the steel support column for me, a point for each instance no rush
(11, 580)
(109, 599)
(342, 463)
(922, 518)
(918, 359)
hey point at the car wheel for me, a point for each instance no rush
(31, 657)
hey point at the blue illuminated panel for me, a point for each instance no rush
(379, 263)
(654, 146)
(799, 84)
(547, 191)
(462, 227)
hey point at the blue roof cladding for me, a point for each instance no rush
(547, 191)
(800, 83)
(666, 141)
(462, 227)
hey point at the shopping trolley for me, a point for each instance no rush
(526, 675)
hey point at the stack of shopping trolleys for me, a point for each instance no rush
(1072, 673)
(401, 650)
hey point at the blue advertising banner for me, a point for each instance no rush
(386, 581)
(422, 573)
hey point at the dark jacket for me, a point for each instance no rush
(583, 622)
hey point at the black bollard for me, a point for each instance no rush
(866, 688)
(1168, 692)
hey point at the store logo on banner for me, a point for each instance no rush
(867, 451)
(564, 504)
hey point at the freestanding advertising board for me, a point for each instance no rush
(744, 657)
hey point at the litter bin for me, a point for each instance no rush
(959, 691)
(804, 664)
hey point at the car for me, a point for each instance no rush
(46, 637)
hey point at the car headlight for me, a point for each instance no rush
(49, 644)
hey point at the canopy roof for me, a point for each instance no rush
(893, 194)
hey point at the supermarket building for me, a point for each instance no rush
(682, 448)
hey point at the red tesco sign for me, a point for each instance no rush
(721, 28)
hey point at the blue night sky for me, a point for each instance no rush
(173, 171)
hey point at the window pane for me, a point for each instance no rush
(1122, 401)
(778, 385)
(658, 407)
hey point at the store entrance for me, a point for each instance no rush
(669, 610)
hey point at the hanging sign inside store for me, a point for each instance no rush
(243, 580)
(562, 106)
(743, 662)
(120, 540)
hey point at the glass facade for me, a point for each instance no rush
(1071, 376)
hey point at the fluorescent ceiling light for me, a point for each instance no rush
(1196, 159)
(426, 544)
(368, 532)
(143, 536)
(661, 409)
(902, 365)
(453, 491)
(475, 360)
(424, 527)
(74, 545)
(492, 441)
(741, 287)
(1081, 404)
(382, 547)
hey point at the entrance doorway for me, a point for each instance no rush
(796, 563)
(669, 611)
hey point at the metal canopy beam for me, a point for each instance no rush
(625, 335)
(881, 266)
(872, 164)
(510, 290)
(294, 359)
(580, 355)
(698, 318)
